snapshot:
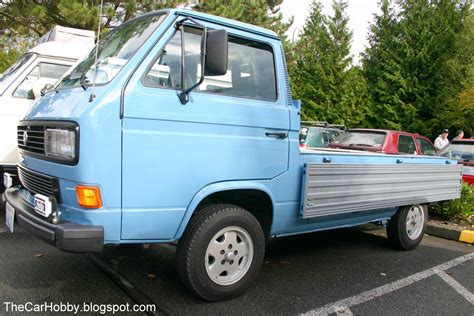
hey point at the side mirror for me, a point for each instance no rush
(46, 88)
(38, 89)
(217, 53)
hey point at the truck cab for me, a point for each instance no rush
(55, 53)
(183, 130)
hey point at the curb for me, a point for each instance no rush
(441, 231)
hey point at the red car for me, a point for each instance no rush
(463, 151)
(384, 141)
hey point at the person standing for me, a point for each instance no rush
(442, 140)
(459, 135)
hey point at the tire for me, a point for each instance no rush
(221, 252)
(406, 228)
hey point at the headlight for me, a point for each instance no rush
(60, 143)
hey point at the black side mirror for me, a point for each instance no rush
(213, 55)
(217, 53)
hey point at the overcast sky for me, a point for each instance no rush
(360, 14)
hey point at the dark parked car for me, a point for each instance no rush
(318, 134)
(463, 151)
(384, 141)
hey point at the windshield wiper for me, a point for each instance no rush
(84, 81)
(366, 145)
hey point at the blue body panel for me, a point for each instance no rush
(157, 163)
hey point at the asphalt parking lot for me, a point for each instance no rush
(344, 272)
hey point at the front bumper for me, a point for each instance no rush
(65, 236)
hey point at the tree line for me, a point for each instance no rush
(416, 74)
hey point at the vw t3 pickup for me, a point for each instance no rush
(183, 130)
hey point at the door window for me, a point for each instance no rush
(426, 147)
(250, 72)
(406, 145)
(42, 74)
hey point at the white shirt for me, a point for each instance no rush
(440, 143)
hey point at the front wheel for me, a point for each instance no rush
(221, 252)
(406, 228)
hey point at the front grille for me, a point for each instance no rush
(38, 183)
(31, 138)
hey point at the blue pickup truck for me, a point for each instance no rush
(183, 130)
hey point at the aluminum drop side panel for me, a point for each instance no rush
(330, 189)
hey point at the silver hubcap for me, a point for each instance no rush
(415, 222)
(229, 255)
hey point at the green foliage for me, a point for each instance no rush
(321, 73)
(22, 22)
(415, 65)
(255, 12)
(459, 209)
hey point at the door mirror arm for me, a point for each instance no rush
(184, 94)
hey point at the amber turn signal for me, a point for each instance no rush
(88, 196)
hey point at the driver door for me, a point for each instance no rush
(233, 128)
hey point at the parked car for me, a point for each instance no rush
(385, 141)
(463, 151)
(318, 134)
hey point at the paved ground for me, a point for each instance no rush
(346, 272)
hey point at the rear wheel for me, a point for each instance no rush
(406, 228)
(221, 252)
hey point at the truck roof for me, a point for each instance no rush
(65, 42)
(68, 50)
(226, 22)
(68, 34)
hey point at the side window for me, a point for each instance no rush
(42, 74)
(406, 145)
(166, 71)
(250, 74)
(426, 147)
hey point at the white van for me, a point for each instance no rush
(21, 84)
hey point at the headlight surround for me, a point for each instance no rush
(60, 143)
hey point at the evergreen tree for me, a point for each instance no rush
(409, 64)
(460, 112)
(264, 13)
(321, 73)
(429, 31)
(382, 69)
(307, 71)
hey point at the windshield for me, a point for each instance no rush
(353, 138)
(317, 137)
(459, 151)
(10, 71)
(114, 51)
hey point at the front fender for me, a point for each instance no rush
(219, 187)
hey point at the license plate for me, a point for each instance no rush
(7, 180)
(9, 216)
(42, 205)
(468, 170)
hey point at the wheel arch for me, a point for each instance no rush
(252, 196)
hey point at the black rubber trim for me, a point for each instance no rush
(65, 236)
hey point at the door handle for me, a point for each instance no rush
(280, 135)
